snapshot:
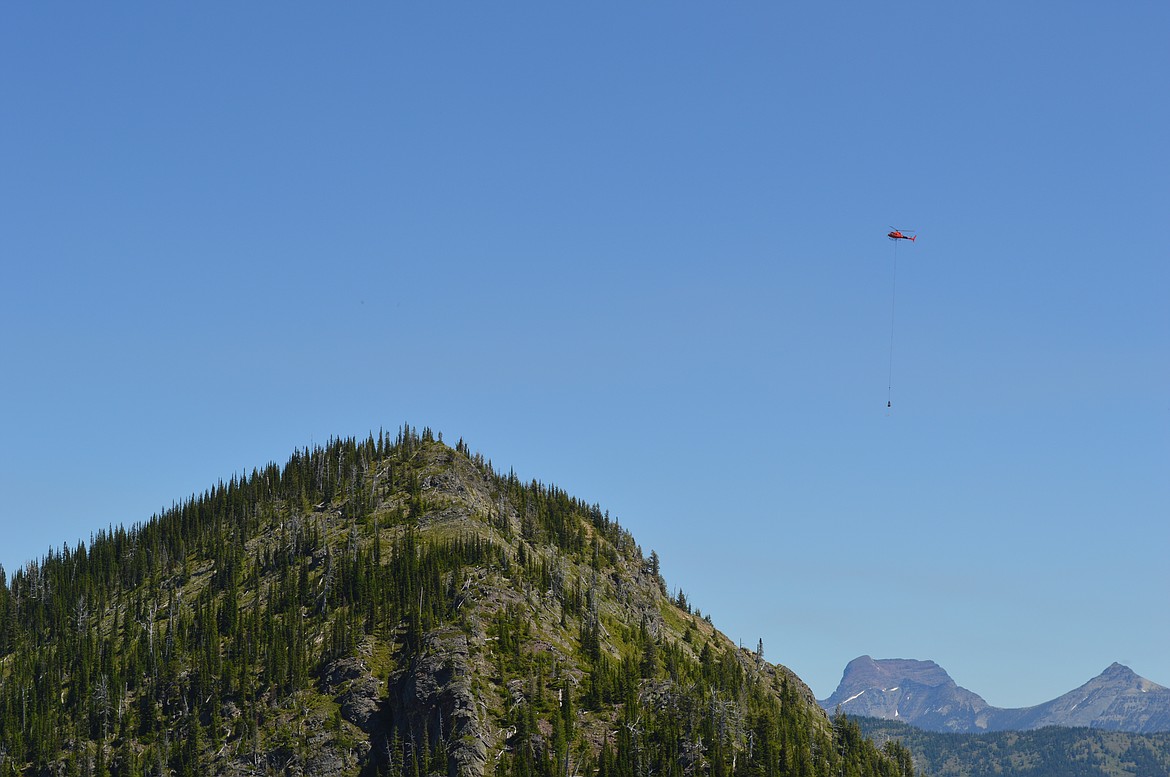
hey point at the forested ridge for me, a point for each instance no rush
(389, 606)
(1055, 751)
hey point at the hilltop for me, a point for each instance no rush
(389, 606)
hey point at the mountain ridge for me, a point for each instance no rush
(1054, 751)
(388, 606)
(922, 694)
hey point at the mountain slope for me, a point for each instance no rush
(1117, 699)
(388, 606)
(922, 694)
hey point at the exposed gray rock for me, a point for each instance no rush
(360, 704)
(434, 694)
(357, 691)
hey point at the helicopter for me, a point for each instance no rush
(895, 235)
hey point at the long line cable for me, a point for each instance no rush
(893, 299)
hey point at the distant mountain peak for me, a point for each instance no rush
(1121, 679)
(1118, 670)
(922, 694)
(866, 671)
(917, 692)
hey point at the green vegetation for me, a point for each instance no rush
(388, 606)
(1046, 752)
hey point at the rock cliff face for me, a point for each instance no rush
(922, 694)
(434, 693)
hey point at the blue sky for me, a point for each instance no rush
(636, 250)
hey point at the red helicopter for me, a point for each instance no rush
(897, 235)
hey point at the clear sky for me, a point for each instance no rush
(636, 250)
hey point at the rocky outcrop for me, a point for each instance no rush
(433, 698)
(357, 691)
